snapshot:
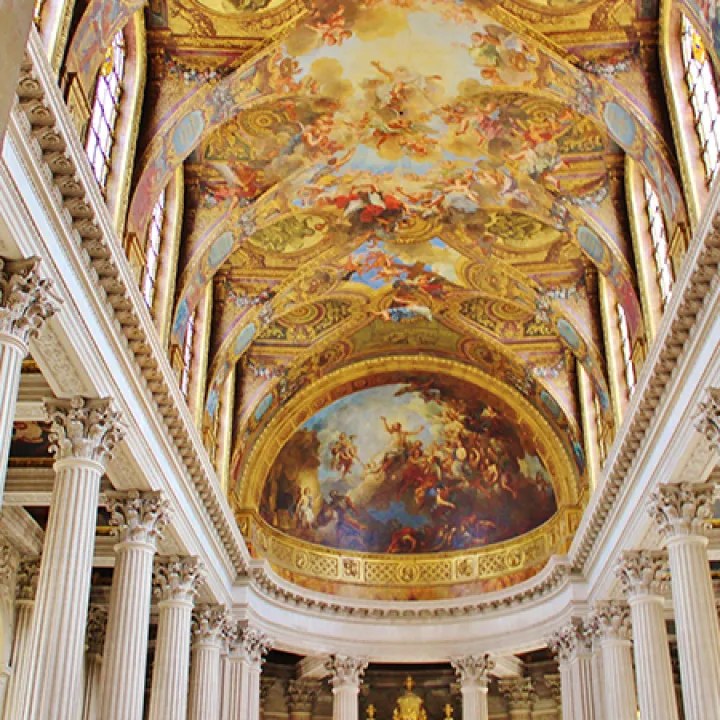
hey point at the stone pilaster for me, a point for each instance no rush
(520, 696)
(300, 696)
(209, 631)
(682, 513)
(345, 677)
(96, 629)
(645, 575)
(554, 685)
(473, 674)
(140, 519)
(573, 647)
(610, 621)
(266, 685)
(17, 704)
(248, 647)
(84, 434)
(26, 302)
(9, 561)
(176, 583)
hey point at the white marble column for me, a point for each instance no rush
(644, 575)
(520, 696)
(140, 519)
(610, 622)
(26, 301)
(682, 513)
(209, 630)
(176, 584)
(9, 562)
(96, 629)
(345, 677)
(300, 697)
(473, 674)
(248, 648)
(573, 647)
(84, 433)
(17, 705)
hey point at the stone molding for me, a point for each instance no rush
(210, 624)
(644, 572)
(96, 627)
(177, 579)
(27, 301)
(707, 420)
(300, 695)
(28, 575)
(249, 644)
(346, 671)
(519, 692)
(682, 509)
(140, 517)
(473, 670)
(571, 640)
(610, 620)
(83, 428)
(9, 563)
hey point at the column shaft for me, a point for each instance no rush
(619, 679)
(567, 690)
(91, 703)
(243, 690)
(204, 703)
(474, 702)
(12, 352)
(16, 705)
(345, 702)
(583, 704)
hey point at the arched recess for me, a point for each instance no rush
(53, 18)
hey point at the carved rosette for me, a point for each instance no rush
(644, 572)
(9, 562)
(301, 695)
(210, 624)
(249, 644)
(519, 693)
(26, 299)
(473, 670)
(96, 627)
(683, 509)
(177, 579)
(707, 420)
(28, 575)
(83, 428)
(140, 517)
(610, 620)
(346, 671)
(570, 641)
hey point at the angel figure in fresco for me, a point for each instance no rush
(332, 29)
(399, 85)
(344, 454)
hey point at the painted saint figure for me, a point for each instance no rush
(305, 514)
(344, 454)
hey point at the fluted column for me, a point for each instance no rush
(248, 648)
(140, 519)
(9, 561)
(84, 433)
(96, 628)
(610, 622)
(682, 513)
(209, 629)
(345, 677)
(26, 301)
(176, 582)
(17, 706)
(473, 674)
(301, 696)
(644, 574)
(573, 647)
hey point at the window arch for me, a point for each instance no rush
(152, 253)
(626, 348)
(703, 96)
(187, 354)
(103, 121)
(658, 238)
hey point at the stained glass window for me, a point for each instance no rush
(187, 355)
(703, 96)
(108, 90)
(626, 347)
(154, 241)
(658, 237)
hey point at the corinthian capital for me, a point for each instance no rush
(683, 509)
(249, 644)
(519, 693)
(140, 517)
(96, 626)
(9, 561)
(570, 640)
(472, 670)
(643, 572)
(346, 670)
(177, 579)
(28, 575)
(707, 420)
(83, 428)
(26, 300)
(610, 620)
(301, 695)
(210, 624)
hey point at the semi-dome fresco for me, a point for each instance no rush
(427, 465)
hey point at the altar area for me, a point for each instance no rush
(409, 706)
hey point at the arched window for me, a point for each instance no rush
(658, 236)
(703, 96)
(108, 91)
(187, 354)
(37, 12)
(626, 348)
(152, 257)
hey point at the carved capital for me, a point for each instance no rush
(554, 685)
(266, 685)
(519, 692)
(26, 300)
(570, 641)
(346, 670)
(707, 419)
(610, 620)
(140, 517)
(472, 670)
(9, 562)
(301, 695)
(683, 509)
(210, 623)
(177, 579)
(83, 428)
(249, 644)
(96, 627)
(644, 572)
(28, 575)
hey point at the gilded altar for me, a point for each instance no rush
(409, 706)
